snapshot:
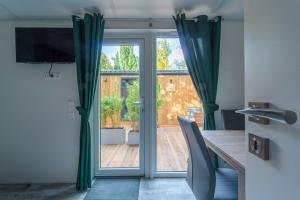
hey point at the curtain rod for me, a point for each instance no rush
(210, 18)
(181, 11)
(141, 19)
(150, 19)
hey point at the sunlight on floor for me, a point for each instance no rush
(172, 153)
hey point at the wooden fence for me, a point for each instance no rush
(177, 92)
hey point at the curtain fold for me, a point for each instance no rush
(88, 39)
(200, 43)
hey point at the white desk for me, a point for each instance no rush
(231, 147)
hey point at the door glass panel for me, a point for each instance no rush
(175, 95)
(120, 106)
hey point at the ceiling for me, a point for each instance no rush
(63, 9)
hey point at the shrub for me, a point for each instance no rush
(132, 105)
(110, 109)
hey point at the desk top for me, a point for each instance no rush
(229, 145)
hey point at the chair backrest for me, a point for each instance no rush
(233, 120)
(201, 173)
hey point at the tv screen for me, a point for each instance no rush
(52, 45)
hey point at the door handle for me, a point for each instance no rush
(137, 102)
(140, 103)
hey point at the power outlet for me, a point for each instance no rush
(56, 75)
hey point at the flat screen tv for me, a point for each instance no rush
(50, 45)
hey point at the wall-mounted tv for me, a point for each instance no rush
(50, 45)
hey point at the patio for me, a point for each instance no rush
(176, 95)
(172, 152)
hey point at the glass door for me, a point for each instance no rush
(121, 108)
(175, 95)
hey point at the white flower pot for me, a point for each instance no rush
(113, 135)
(133, 138)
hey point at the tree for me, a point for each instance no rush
(105, 63)
(163, 52)
(127, 59)
(116, 60)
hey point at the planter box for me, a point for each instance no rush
(133, 138)
(113, 135)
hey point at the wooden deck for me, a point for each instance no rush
(172, 152)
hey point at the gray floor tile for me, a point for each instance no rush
(165, 189)
(103, 189)
(40, 192)
(114, 189)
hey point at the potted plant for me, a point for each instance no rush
(133, 112)
(111, 132)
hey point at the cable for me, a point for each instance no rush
(50, 74)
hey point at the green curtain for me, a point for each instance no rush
(200, 42)
(88, 39)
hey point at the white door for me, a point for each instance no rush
(272, 72)
(119, 108)
(144, 85)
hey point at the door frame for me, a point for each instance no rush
(148, 164)
(143, 40)
(154, 173)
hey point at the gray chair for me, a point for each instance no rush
(206, 182)
(233, 120)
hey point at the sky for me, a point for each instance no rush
(111, 51)
(176, 52)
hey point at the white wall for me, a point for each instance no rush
(272, 71)
(38, 142)
(231, 75)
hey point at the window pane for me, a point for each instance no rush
(169, 54)
(176, 95)
(119, 92)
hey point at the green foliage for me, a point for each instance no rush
(125, 59)
(105, 63)
(159, 100)
(110, 108)
(128, 61)
(116, 60)
(134, 108)
(163, 52)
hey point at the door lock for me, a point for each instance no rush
(259, 146)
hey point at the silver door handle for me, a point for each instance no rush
(141, 103)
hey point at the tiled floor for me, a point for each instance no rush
(104, 189)
(144, 189)
(40, 192)
(114, 189)
(165, 189)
